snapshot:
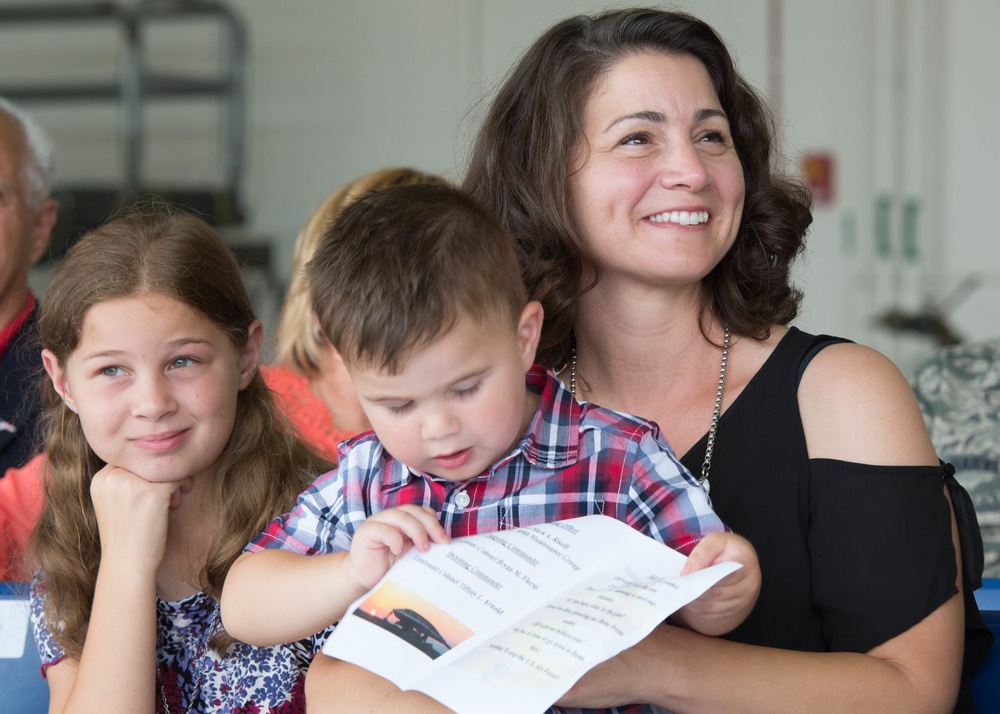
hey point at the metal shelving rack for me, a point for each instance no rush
(137, 83)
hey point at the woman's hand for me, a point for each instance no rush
(617, 681)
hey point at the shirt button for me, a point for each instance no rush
(462, 499)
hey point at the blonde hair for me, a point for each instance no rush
(299, 342)
(262, 468)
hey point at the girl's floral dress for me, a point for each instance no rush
(245, 680)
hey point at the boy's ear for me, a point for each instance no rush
(250, 354)
(58, 376)
(529, 331)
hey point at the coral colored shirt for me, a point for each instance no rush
(307, 412)
(20, 503)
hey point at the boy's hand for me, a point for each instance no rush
(727, 603)
(384, 537)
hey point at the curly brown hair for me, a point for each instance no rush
(521, 163)
(262, 468)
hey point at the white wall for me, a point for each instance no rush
(355, 85)
(970, 145)
(901, 92)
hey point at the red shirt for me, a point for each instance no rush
(8, 333)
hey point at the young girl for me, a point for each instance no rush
(167, 457)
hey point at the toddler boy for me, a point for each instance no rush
(418, 289)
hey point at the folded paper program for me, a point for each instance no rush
(508, 621)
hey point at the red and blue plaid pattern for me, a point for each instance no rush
(573, 460)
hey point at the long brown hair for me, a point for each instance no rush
(262, 467)
(521, 163)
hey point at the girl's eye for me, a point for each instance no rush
(111, 372)
(398, 408)
(181, 362)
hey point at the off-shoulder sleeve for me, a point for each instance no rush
(881, 549)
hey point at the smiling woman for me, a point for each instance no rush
(655, 157)
(605, 128)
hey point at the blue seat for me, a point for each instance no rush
(988, 596)
(986, 680)
(22, 689)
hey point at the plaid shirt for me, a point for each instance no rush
(574, 459)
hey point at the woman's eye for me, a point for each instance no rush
(714, 137)
(635, 139)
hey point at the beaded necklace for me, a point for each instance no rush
(713, 429)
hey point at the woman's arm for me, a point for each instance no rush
(335, 686)
(857, 407)
(688, 673)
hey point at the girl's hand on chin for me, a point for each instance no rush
(184, 486)
(132, 516)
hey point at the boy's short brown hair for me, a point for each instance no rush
(401, 265)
